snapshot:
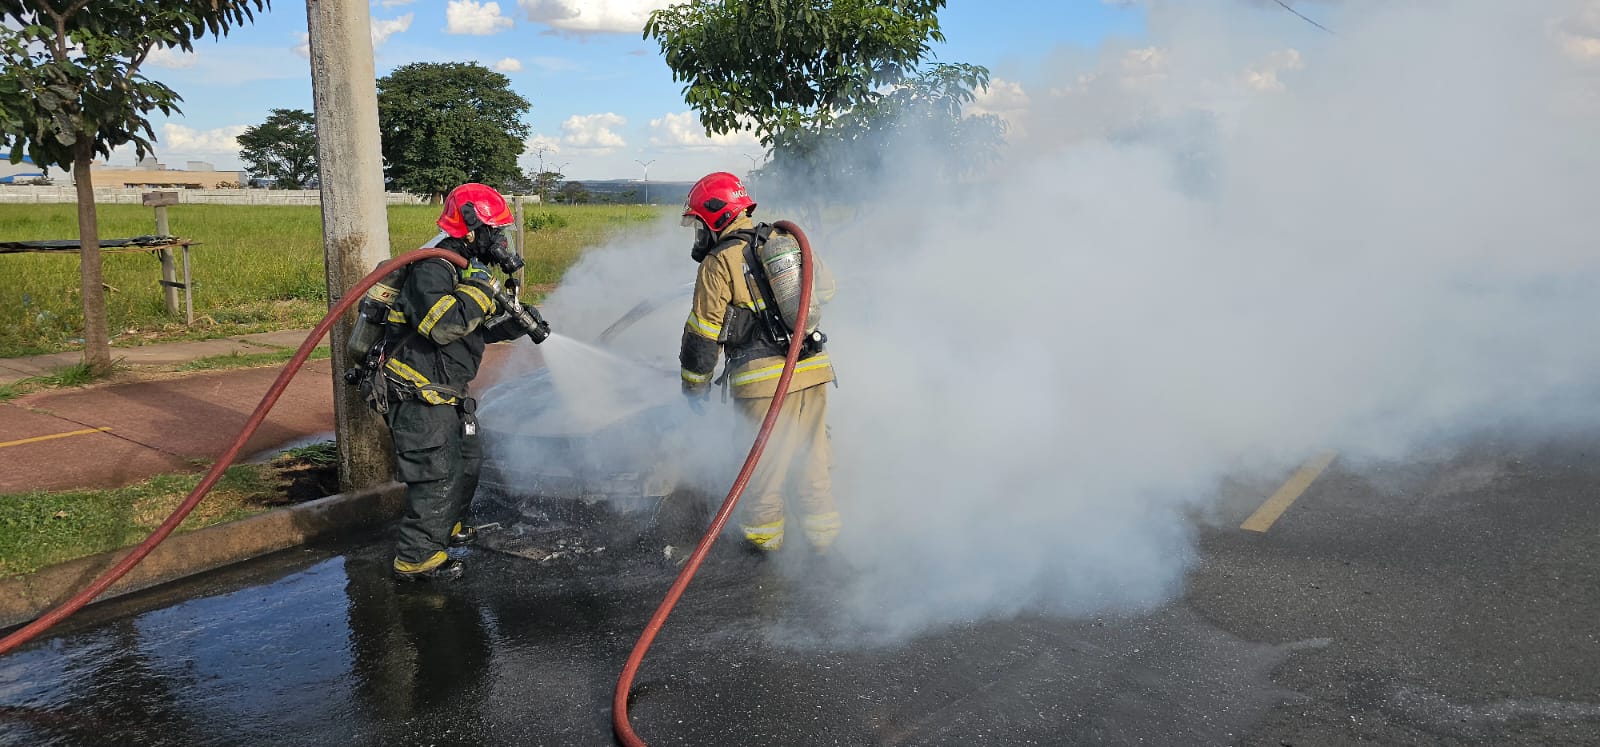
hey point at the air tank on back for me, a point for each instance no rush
(781, 258)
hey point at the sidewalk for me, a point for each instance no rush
(110, 435)
(13, 370)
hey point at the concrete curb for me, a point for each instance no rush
(26, 597)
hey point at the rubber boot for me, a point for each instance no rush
(439, 568)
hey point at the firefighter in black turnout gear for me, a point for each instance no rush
(438, 324)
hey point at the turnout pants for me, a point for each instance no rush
(796, 464)
(439, 464)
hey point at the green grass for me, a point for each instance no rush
(248, 360)
(257, 269)
(322, 453)
(40, 528)
(9, 392)
(78, 374)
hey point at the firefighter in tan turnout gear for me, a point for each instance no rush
(734, 312)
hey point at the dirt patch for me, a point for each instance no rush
(304, 480)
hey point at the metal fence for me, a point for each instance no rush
(132, 196)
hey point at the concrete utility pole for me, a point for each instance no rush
(355, 226)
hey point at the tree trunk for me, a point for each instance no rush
(96, 338)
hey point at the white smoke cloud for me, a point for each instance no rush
(1263, 76)
(1189, 274)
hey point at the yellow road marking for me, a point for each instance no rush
(1262, 519)
(37, 439)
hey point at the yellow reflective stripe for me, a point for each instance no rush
(765, 536)
(828, 522)
(414, 376)
(773, 372)
(434, 561)
(397, 316)
(704, 328)
(759, 305)
(436, 313)
(478, 296)
(771, 527)
(695, 378)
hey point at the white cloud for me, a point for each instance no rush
(592, 16)
(396, 3)
(684, 131)
(382, 29)
(473, 18)
(1580, 34)
(177, 139)
(1003, 98)
(509, 65)
(170, 58)
(1262, 77)
(595, 133)
(549, 144)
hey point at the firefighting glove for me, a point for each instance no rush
(696, 395)
(479, 277)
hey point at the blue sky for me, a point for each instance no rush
(601, 96)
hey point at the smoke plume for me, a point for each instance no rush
(1213, 252)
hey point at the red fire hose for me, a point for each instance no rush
(619, 700)
(27, 633)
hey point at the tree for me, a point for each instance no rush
(773, 67)
(71, 88)
(925, 110)
(574, 193)
(449, 123)
(283, 148)
(545, 181)
(830, 86)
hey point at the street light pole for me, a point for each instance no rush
(561, 172)
(646, 165)
(752, 160)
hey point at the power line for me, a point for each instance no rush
(1303, 17)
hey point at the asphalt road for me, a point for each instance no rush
(1454, 599)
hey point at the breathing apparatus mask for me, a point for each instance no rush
(489, 243)
(704, 239)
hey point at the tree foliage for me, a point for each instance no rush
(449, 123)
(71, 88)
(917, 127)
(785, 64)
(839, 90)
(574, 193)
(545, 181)
(283, 148)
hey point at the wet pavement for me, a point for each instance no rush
(1450, 600)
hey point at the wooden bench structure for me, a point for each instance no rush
(162, 246)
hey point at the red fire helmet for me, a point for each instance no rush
(490, 205)
(717, 199)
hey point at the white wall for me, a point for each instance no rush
(126, 196)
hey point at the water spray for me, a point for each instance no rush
(619, 700)
(110, 576)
